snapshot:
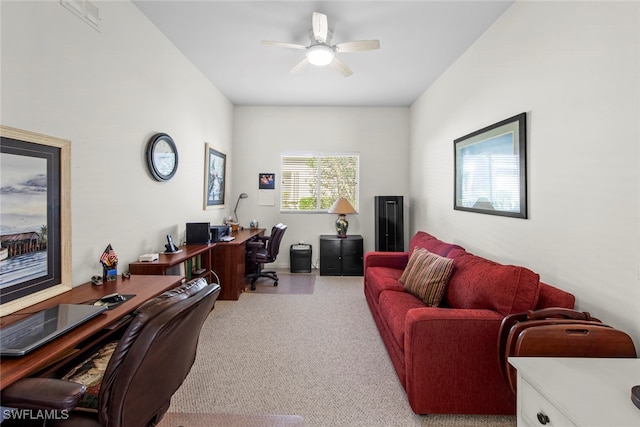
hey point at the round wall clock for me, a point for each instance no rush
(162, 157)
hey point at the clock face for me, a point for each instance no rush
(162, 157)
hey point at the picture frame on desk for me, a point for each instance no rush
(214, 178)
(35, 182)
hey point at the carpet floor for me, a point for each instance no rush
(296, 283)
(317, 356)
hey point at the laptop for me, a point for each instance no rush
(23, 336)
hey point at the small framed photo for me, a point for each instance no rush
(214, 177)
(267, 181)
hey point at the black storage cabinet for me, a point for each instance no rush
(389, 217)
(300, 255)
(341, 256)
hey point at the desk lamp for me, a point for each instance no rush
(342, 207)
(241, 196)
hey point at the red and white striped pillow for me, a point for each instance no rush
(426, 276)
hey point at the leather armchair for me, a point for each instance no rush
(151, 360)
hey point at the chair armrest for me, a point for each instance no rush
(43, 393)
(397, 260)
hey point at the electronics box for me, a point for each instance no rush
(219, 231)
(148, 257)
(198, 233)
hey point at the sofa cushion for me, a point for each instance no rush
(394, 307)
(431, 243)
(426, 276)
(380, 279)
(477, 282)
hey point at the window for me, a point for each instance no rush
(312, 182)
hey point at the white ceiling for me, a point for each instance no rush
(419, 40)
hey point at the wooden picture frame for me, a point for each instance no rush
(491, 169)
(215, 170)
(35, 212)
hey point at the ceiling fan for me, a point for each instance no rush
(320, 51)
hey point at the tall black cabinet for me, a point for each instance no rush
(389, 217)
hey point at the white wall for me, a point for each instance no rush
(261, 134)
(109, 92)
(573, 67)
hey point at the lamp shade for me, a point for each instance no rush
(342, 207)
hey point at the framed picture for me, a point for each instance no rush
(35, 218)
(491, 169)
(267, 181)
(214, 178)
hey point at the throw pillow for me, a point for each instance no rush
(426, 276)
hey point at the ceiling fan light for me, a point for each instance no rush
(320, 54)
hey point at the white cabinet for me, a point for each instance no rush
(582, 392)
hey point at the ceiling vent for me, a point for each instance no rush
(86, 10)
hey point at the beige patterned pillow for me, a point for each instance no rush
(426, 276)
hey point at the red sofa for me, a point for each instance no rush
(446, 357)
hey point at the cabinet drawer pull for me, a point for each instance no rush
(542, 418)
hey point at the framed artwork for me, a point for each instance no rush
(267, 181)
(35, 218)
(491, 169)
(214, 178)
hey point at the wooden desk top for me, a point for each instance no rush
(241, 236)
(168, 260)
(144, 287)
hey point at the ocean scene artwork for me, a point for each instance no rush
(23, 218)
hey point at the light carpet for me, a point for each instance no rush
(318, 356)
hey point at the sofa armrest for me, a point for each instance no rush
(451, 356)
(397, 260)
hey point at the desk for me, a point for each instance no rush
(229, 262)
(144, 287)
(166, 262)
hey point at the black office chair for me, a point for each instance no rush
(264, 250)
(149, 363)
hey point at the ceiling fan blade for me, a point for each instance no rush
(300, 66)
(320, 27)
(341, 67)
(283, 44)
(357, 46)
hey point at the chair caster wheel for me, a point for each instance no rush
(275, 283)
(253, 287)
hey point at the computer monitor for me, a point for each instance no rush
(198, 233)
(23, 336)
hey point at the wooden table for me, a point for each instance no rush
(229, 262)
(144, 288)
(166, 262)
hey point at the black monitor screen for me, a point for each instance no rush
(39, 328)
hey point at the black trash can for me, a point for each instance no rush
(300, 258)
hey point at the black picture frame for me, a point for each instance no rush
(491, 169)
(266, 181)
(214, 178)
(37, 240)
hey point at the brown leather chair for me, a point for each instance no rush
(264, 250)
(151, 360)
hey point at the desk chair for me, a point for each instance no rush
(149, 363)
(264, 250)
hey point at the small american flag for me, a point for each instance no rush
(109, 257)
